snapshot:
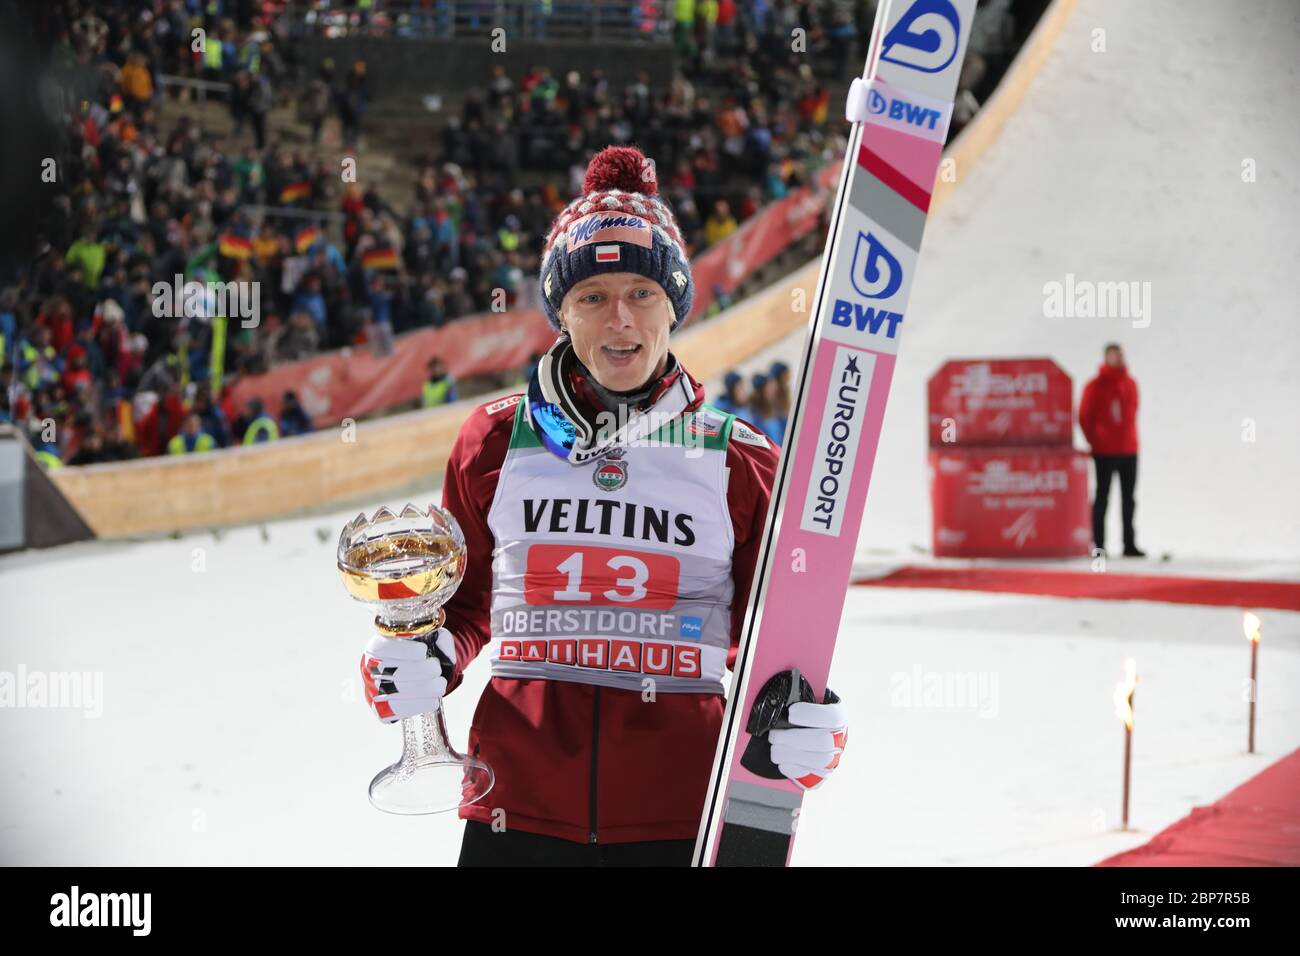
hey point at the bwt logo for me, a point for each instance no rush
(925, 39)
(876, 267)
(898, 109)
(876, 274)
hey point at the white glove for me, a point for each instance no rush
(809, 751)
(404, 677)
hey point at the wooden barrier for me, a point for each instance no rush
(176, 493)
(159, 495)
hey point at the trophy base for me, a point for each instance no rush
(430, 785)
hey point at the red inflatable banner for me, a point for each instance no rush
(1010, 502)
(976, 402)
(351, 383)
(761, 239)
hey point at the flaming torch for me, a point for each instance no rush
(1250, 624)
(1124, 711)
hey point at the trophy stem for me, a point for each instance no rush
(423, 736)
(431, 776)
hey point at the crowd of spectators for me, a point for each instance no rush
(763, 399)
(96, 371)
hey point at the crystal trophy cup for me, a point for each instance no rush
(407, 566)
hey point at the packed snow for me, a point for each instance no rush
(231, 727)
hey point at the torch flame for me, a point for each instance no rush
(1250, 625)
(1124, 693)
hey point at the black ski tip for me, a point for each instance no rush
(746, 846)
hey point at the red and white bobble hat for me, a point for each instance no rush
(619, 224)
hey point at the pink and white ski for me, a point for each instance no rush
(900, 108)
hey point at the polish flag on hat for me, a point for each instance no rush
(608, 253)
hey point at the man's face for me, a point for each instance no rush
(1115, 357)
(618, 323)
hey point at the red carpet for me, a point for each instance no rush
(1258, 824)
(1222, 592)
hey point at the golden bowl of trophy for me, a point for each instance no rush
(407, 566)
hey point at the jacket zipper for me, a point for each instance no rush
(595, 749)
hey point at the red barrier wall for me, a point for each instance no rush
(1000, 402)
(1004, 479)
(1010, 502)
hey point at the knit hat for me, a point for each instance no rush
(619, 224)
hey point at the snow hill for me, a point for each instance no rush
(1127, 166)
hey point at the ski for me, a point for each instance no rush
(900, 109)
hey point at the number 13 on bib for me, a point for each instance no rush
(900, 109)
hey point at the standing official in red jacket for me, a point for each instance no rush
(1108, 417)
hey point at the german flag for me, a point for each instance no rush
(306, 238)
(235, 247)
(266, 246)
(380, 259)
(295, 191)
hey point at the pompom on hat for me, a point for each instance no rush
(619, 224)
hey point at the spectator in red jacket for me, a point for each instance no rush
(1108, 417)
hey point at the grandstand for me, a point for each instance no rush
(274, 218)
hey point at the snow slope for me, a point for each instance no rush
(1126, 166)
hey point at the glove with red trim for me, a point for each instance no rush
(809, 749)
(404, 677)
(793, 736)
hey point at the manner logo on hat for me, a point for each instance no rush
(609, 227)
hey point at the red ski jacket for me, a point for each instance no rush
(1108, 412)
(572, 760)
